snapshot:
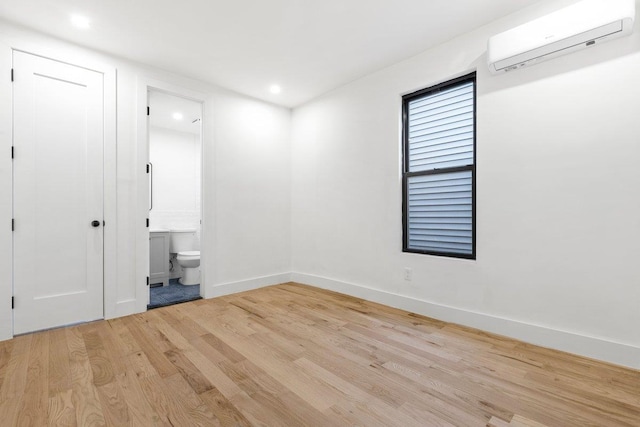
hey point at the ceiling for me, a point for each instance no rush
(307, 47)
(163, 108)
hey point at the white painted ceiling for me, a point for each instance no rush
(164, 106)
(307, 47)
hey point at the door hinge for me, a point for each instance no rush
(147, 168)
(13, 224)
(147, 280)
(12, 74)
(12, 151)
(147, 222)
(148, 110)
(13, 302)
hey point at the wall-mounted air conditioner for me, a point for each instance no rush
(575, 27)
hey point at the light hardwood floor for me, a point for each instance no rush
(292, 355)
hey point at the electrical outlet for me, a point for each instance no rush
(408, 274)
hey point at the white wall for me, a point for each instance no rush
(253, 195)
(5, 198)
(558, 205)
(243, 138)
(176, 163)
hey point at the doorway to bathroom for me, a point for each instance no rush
(175, 202)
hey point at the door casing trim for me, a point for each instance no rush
(8, 45)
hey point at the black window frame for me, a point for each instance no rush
(406, 174)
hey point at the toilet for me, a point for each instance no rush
(183, 243)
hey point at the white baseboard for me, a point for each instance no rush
(246, 285)
(596, 348)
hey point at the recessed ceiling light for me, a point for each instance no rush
(80, 21)
(275, 89)
(178, 116)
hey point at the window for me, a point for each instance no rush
(439, 169)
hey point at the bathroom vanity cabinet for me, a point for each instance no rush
(159, 257)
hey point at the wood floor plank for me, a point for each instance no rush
(295, 355)
(5, 356)
(101, 366)
(516, 421)
(353, 397)
(181, 323)
(116, 351)
(250, 378)
(214, 374)
(115, 408)
(140, 411)
(9, 410)
(15, 376)
(269, 392)
(61, 411)
(158, 395)
(189, 371)
(59, 370)
(35, 400)
(256, 414)
(126, 341)
(227, 414)
(224, 349)
(311, 389)
(291, 409)
(183, 395)
(85, 398)
(149, 348)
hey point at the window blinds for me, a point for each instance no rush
(440, 212)
(441, 129)
(439, 199)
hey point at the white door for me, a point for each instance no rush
(57, 193)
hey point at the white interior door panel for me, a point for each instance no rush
(58, 193)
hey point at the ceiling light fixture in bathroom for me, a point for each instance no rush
(275, 89)
(80, 21)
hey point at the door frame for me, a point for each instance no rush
(142, 231)
(68, 55)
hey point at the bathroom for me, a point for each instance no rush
(174, 171)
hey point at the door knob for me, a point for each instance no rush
(95, 223)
